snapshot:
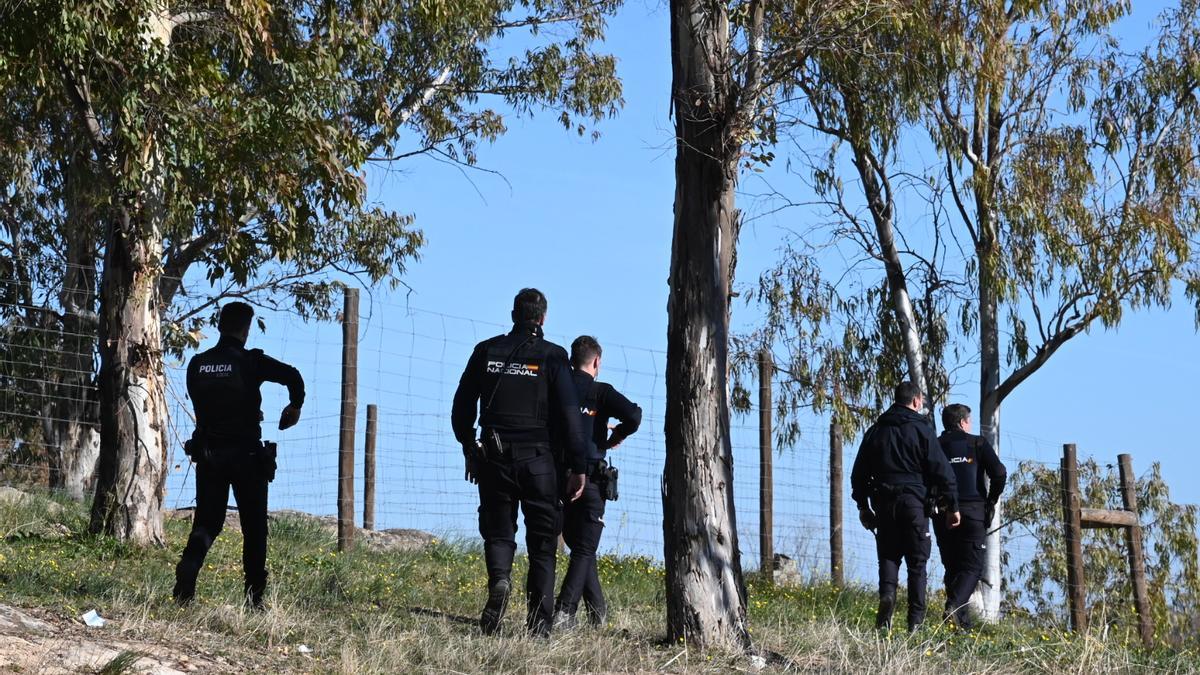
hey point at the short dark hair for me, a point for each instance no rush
(529, 305)
(235, 318)
(584, 349)
(907, 392)
(954, 414)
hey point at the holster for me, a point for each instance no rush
(267, 459)
(198, 447)
(492, 445)
(605, 475)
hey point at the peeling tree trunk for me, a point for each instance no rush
(706, 600)
(71, 422)
(133, 450)
(130, 485)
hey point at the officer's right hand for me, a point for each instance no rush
(575, 485)
(867, 518)
(289, 417)
(953, 519)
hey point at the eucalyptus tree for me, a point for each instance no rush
(232, 136)
(1073, 172)
(727, 73)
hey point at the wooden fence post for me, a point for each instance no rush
(1137, 560)
(349, 415)
(369, 468)
(1073, 532)
(766, 485)
(836, 564)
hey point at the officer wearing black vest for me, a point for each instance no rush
(228, 450)
(584, 518)
(963, 549)
(521, 386)
(898, 462)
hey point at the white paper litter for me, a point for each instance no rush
(93, 619)
(304, 649)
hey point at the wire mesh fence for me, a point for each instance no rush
(410, 360)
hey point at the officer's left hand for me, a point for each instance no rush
(953, 519)
(575, 485)
(289, 417)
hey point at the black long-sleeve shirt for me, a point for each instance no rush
(599, 402)
(973, 458)
(224, 384)
(900, 452)
(562, 402)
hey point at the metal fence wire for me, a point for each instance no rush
(409, 363)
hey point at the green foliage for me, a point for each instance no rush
(256, 120)
(1169, 540)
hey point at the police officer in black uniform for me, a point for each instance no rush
(897, 464)
(584, 518)
(521, 386)
(228, 450)
(963, 549)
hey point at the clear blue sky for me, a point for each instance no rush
(590, 224)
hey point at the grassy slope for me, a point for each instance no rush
(413, 612)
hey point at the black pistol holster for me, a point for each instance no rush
(605, 476)
(267, 459)
(198, 447)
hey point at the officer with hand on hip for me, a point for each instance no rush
(963, 549)
(584, 518)
(228, 450)
(897, 464)
(520, 384)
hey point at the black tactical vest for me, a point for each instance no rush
(225, 393)
(515, 392)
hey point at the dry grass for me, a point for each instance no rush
(414, 611)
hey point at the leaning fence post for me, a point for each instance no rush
(349, 414)
(766, 485)
(1137, 560)
(1073, 531)
(836, 564)
(369, 468)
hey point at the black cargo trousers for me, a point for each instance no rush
(963, 550)
(583, 523)
(902, 535)
(524, 475)
(242, 467)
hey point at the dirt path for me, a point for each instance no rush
(33, 641)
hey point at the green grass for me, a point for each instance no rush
(393, 612)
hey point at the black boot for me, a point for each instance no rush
(185, 584)
(887, 606)
(497, 603)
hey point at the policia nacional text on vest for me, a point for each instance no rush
(530, 437)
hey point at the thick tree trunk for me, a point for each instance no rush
(706, 599)
(133, 450)
(987, 598)
(71, 423)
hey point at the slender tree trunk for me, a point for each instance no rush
(987, 600)
(880, 203)
(706, 599)
(72, 424)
